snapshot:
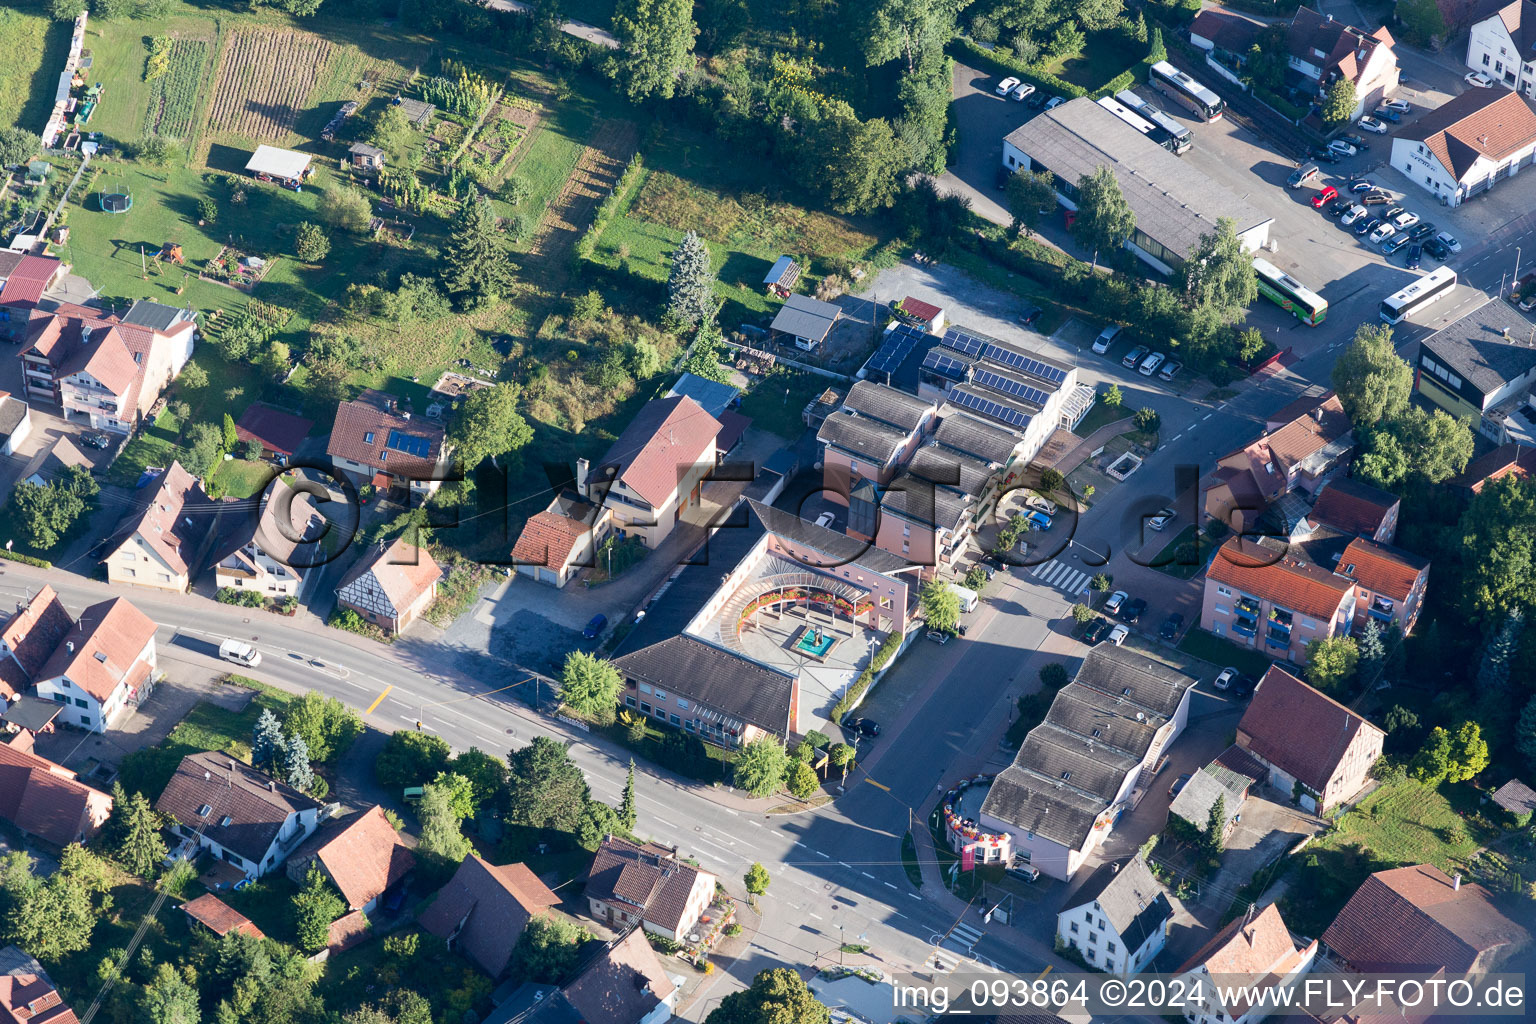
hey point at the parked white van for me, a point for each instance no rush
(240, 653)
(968, 597)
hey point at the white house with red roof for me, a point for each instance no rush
(559, 542)
(379, 442)
(361, 854)
(390, 586)
(1503, 46)
(28, 639)
(159, 543)
(102, 368)
(1389, 583)
(46, 800)
(262, 553)
(1254, 951)
(102, 667)
(1325, 50)
(1462, 147)
(656, 470)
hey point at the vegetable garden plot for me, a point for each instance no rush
(173, 94)
(264, 77)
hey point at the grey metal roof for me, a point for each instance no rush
(1174, 203)
(1027, 802)
(972, 436)
(713, 397)
(1199, 794)
(805, 317)
(950, 468)
(827, 542)
(861, 435)
(782, 267)
(157, 316)
(12, 411)
(363, 149)
(1134, 678)
(921, 501)
(1476, 347)
(897, 408)
(1129, 897)
(721, 679)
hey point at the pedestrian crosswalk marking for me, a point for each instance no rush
(943, 961)
(1058, 574)
(965, 934)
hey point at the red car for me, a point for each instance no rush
(1327, 195)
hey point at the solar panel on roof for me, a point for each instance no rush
(1009, 386)
(944, 364)
(987, 407)
(898, 343)
(1029, 364)
(963, 341)
(410, 444)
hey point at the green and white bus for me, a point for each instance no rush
(1289, 294)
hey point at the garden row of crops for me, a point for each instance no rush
(264, 77)
(173, 94)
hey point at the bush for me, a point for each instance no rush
(1148, 421)
(1081, 613)
(238, 596)
(855, 693)
(207, 210)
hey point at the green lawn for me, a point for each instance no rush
(1169, 562)
(230, 388)
(206, 727)
(1220, 651)
(776, 402)
(237, 478)
(34, 47)
(1106, 55)
(1101, 415)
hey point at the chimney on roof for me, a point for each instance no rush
(70, 646)
(405, 414)
(583, 467)
(271, 786)
(1456, 883)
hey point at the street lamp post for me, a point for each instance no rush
(1517, 266)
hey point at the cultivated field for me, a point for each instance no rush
(173, 96)
(264, 77)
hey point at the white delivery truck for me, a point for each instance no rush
(240, 653)
(968, 597)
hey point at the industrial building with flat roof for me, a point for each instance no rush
(1174, 203)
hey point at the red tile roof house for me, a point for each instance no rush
(162, 541)
(623, 983)
(483, 910)
(101, 368)
(1350, 506)
(24, 277)
(277, 431)
(1261, 595)
(219, 917)
(1315, 748)
(390, 586)
(29, 638)
(921, 314)
(103, 667)
(46, 800)
(1323, 50)
(361, 854)
(1514, 460)
(559, 542)
(1389, 583)
(240, 815)
(27, 995)
(630, 884)
(1419, 919)
(1254, 950)
(257, 552)
(1465, 145)
(655, 470)
(378, 443)
(1298, 454)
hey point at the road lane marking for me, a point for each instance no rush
(801, 845)
(378, 700)
(891, 885)
(867, 875)
(817, 917)
(846, 865)
(820, 854)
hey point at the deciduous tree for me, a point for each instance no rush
(756, 879)
(627, 811)
(590, 686)
(17, 146)
(761, 765)
(545, 788)
(857, 162)
(489, 426)
(547, 949)
(1331, 663)
(1219, 273)
(169, 999)
(315, 907)
(1373, 383)
(439, 812)
(327, 726)
(777, 996)
(802, 780)
(1105, 220)
(487, 775)
(1469, 752)
(1421, 21)
(1499, 524)
(410, 758)
(310, 242)
(655, 40)
(346, 207)
(1339, 102)
(1030, 192)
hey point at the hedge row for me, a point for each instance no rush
(1124, 80)
(13, 556)
(855, 692)
(609, 207)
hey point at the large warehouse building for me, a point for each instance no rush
(1174, 203)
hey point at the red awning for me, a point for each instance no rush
(381, 481)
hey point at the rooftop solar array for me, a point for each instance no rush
(899, 341)
(1009, 386)
(410, 444)
(961, 340)
(987, 407)
(1020, 361)
(944, 363)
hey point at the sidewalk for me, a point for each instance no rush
(1079, 453)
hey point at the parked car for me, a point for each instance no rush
(1024, 872)
(1342, 148)
(1006, 86)
(1301, 175)
(1362, 185)
(1449, 241)
(1161, 518)
(1054, 102)
(1106, 338)
(1178, 785)
(1118, 634)
(1353, 214)
(1437, 249)
(1037, 520)
(1323, 155)
(1415, 256)
(1383, 232)
(1376, 198)
(1397, 242)
(1393, 212)
(1020, 92)
(1327, 195)
(1030, 315)
(1358, 141)
(1401, 106)
(1115, 601)
(1422, 230)
(99, 441)
(1171, 626)
(595, 627)
(1151, 363)
(1037, 99)
(1045, 505)
(1478, 80)
(1170, 369)
(1133, 610)
(1134, 357)
(1338, 207)
(1095, 632)
(1383, 114)
(938, 636)
(865, 726)
(1243, 687)
(1224, 678)
(1003, 174)
(1368, 225)
(1528, 303)
(1405, 220)
(825, 520)
(1370, 124)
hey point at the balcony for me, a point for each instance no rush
(1244, 628)
(1278, 637)
(1382, 615)
(1280, 617)
(1278, 643)
(1248, 606)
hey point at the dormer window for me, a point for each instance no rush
(226, 821)
(368, 438)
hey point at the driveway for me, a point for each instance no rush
(982, 118)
